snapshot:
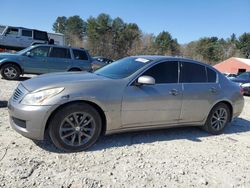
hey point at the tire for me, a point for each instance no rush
(217, 119)
(75, 127)
(10, 71)
(74, 69)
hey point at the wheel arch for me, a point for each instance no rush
(96, 106)
(75, 69)
(226, 102)
(11, 62)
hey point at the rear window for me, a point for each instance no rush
(192, 73)
(80, 55)
(211, 75)
(27, 33)
(60, 53)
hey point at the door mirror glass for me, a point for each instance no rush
(146, 80)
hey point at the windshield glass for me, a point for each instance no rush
(123, 67)
(243, 76)
(24, 50)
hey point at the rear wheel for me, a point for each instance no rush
(76, 127)
(217, 119)
(10, 71)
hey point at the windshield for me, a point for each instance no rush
(122, 68)
(24, 50)
(244, 75)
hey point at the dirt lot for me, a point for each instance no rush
(183, 157)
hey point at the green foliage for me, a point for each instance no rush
(115, 39)
(244, 45)
(60, 24)
(166, 45)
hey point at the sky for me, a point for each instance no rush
(186, 20)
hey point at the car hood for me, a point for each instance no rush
(60, 79)
(5, 55)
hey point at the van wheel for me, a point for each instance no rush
(10, 71)
(76, 127)
(218, 118)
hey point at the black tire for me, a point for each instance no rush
(10, 71)
(215, 123)
(60, 122)
(74, 69)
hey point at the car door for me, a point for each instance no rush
(35, 60)
(59, 59)
(200, 90)
(26, 37)
(154, 104)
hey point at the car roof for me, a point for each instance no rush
(160, 57)
(59, 46)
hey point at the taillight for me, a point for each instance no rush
(241, 90)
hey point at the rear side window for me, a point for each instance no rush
(211, 75)
(27, 33)
(80, 55)
(192, 73)
(166, 72)
(60, 53)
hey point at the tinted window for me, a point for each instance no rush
(40, 35)
(80, 55)
(12, 31)
(27, 33)
(122, 68)
(41, 51)
(60, 53)
(192, 73)
(211, 75)
(166, 72)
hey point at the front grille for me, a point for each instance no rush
(18, 93)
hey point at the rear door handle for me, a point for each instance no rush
(213, 90)
(173, 92)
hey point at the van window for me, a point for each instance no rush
(27, 33)
(41, 51)
(80, 55)
(12, 31)
(192, 73)
(60, 53)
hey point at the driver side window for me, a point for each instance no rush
(41, 51)
(166, 72)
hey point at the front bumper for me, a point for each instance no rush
(29, 121)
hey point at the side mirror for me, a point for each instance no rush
(145, 80)
(28, 54)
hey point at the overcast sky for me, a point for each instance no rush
(186, 20)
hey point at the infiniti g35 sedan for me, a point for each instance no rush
(131, 94)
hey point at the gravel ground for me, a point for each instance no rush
(179, 157)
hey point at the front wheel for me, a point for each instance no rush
(76, 127)
(218, 118)
(10, 71)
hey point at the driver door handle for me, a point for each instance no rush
(173, 92)
(213, 90)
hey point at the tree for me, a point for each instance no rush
(166, 45)
(243, 45)
(60, 24)
(75, 30)
(210, 49)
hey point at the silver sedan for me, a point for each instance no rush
(134, 93)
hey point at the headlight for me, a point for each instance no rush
(245, 85)
(40, 97)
